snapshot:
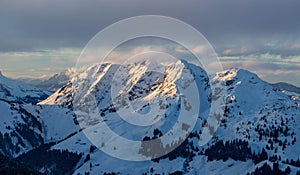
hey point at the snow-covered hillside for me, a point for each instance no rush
(259, 126)
(17, 91)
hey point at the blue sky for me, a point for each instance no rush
(40, 38)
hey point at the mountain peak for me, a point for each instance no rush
(237, 73)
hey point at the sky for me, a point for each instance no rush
(40, 38)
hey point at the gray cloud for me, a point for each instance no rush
(28, 25)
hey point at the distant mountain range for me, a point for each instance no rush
(258, 132)
(16, 91)
(52, 83)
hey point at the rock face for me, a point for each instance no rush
(258, 130)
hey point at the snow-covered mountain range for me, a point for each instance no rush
(258, 131)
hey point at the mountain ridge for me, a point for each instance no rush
(287, 87)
